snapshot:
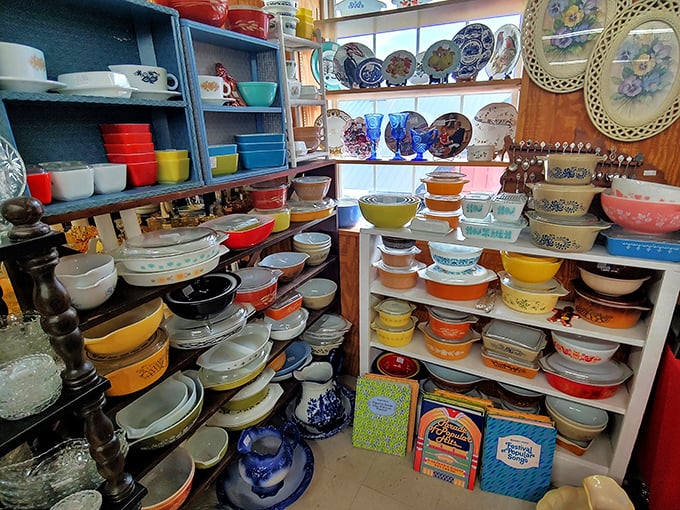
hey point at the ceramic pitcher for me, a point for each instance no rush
(320, 402)
(266, 457)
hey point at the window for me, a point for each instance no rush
(359, 179)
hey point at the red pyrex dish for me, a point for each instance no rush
(124, 128)
(142, 174)
(284, 306)
(245, 230)
(268, 197)
(258, 286)
(128, 148)
(249, 21)
(449, 325)
(142, 157)
(114, 138)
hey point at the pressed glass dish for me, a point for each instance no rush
(30, 384)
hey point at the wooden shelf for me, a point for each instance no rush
(438, 89)
(438, 162)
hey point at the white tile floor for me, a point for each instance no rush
(348, 478)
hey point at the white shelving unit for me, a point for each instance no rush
(294, 44)
(610, 452)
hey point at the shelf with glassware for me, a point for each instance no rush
(51, 126)
(610, 452)
(293, 98)
(245, 58)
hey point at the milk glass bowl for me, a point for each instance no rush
(29, 385)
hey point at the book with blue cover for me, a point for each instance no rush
(518, 453)
(449, 439)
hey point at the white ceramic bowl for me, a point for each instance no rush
(576, 421)
(94, 80)
(318, 293)
(109, 177)
(207, 446)
(453, 257)
(584, 350)
(73, 184)
(645, 191)
(91, 296)
(83, 269)
(311, 240)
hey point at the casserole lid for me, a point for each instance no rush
(451, 316)
(510, 198)
(515, 334)
(232, 319)
(301, 206)
(329, 324)
(550, 287)
(587, 220)
(290, 321)
(589, 189)
(615, 271)
(416, 266)
(393, 306)
(604, 374)
(412, 250)
(379, 324)
(166, 242)
(444, 198)
(655, 240)
(473, 276)
(470, 336)
(286, 300)
(478, 196)
(637, 299)
(237, 222)
(446, 175)
(256, 278)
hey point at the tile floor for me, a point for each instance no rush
(348, 478)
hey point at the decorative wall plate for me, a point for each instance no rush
(440, 59)
(455, 132)
(398, 67)
(369, 73)
(328, 50)
(415, 121)
(351, 7)
(354, 139)
(420, 77)
(335, 122)
(476, 45)
(558, 37)
(12, 171)
(505, 53)
(632, 83)
(492, 123)
(346, 60)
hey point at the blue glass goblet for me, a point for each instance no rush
(398, 125)
(421, 140)
(373, 123)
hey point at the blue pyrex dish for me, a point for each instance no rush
(221, 150)
(260, 137)
(629, 244)
(262, 159)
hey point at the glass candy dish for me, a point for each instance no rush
(29, 384)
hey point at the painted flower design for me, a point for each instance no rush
(646, 68)
(571, 24)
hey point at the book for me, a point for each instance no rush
(415, 389)
(381, 415)
(518, 454)
(449, 439)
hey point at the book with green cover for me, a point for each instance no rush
(381, 415)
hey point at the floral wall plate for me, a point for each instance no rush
(492, 123)
(505, 53)
(335, 123)
(419, 77)
(632, 84)
(328, 50)
(398, 67)
(369, 73)
(414, 121)
(476, 45)
(354, 139)
(12, 171)
(455, 132)
(346, 60)
(440, 59)
(558, 37)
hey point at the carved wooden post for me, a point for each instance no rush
(37, 255)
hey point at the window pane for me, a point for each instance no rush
(357, 180)
(394, 179)
(387, 42)
(366, 40)
(432, 34)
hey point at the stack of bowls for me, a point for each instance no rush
(515, 398)
(30, 384)
(315, 244)
(287, 317)
(310, 201)
(89, 278)
(224, 369)
(163, 414)
(443, 199)
(168, 256)
(283, 17)
(497, 217)
(398, 267)
(389, 210)
(452, 380)
(394, 325)
(132, 145)
(643, 207)
(326, 334)
(271, 199)
(173, 165)
(455, 273)
(452, 345)
(527, 284)
(261, 150)
(575, 421)
(512, 347)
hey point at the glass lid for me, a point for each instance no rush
(394, 307)
(604, 374)
(329, 323)
(587, 220)
(472, 276)
(168, 238)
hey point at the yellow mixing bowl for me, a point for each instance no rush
(528, 268)
(394, 337)
(281, 217)
(530, 297)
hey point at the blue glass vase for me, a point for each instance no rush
(421, 140)
(398, 125)
(373, 124)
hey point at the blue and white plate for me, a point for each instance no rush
(476, 43)
(506, 52)
(368, 73)
(346, 60)
(440, 59)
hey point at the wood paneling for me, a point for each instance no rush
(349, 296)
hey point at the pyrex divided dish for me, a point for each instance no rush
(240, 350)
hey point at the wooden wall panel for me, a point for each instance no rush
(349, 297)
